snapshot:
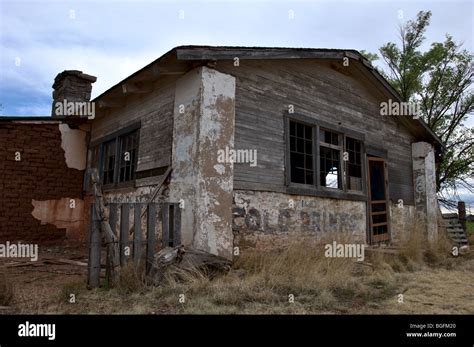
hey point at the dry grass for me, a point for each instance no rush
(260, 282)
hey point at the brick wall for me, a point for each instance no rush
(41, 174)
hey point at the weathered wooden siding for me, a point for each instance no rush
(155, 111)
(264, 89)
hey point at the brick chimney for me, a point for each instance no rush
(72, 86)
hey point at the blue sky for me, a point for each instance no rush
(112, 39)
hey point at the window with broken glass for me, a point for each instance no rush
(330, 151)
(336, 158)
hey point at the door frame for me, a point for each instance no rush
(386, 237)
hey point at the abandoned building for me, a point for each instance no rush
(252, 144)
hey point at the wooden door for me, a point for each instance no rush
(378, 200)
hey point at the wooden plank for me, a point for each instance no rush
(62, 261)
(378, 213)
(244, 185)
(93, 277)
(252, 53)
(380, 237)
(113, 217)
(165, 232)
(157, 189)
(177, 225)
(124, 227)
(137, 234)
(150, 234)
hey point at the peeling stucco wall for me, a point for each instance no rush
(203, 121)
(402, 223)
(263, 219)
(64, 213)
(424, 177)
(73, 142)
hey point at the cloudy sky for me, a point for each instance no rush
(112, 39)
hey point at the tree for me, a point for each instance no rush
(440, 80)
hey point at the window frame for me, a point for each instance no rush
(117, 137)
(316, 189)
(340, 148)
(362, 166)
(313, 154)
(133, 163)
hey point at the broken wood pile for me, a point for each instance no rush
(179, 262)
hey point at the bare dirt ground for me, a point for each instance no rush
(37, 284)
(260, 284)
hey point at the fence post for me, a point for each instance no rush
(177, 225)
(113, 224)
(137, 235)
(165, 230)
(150, 235)
(93, 278)
(124, 227)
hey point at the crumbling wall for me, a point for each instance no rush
(402, 222)
(426, 202)
(37, 188)
(265, 219)
(203, 124)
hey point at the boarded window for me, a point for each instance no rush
(301, 153)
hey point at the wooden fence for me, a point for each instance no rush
(136, 241)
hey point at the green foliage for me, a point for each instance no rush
(369, 56)
(440, 80)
